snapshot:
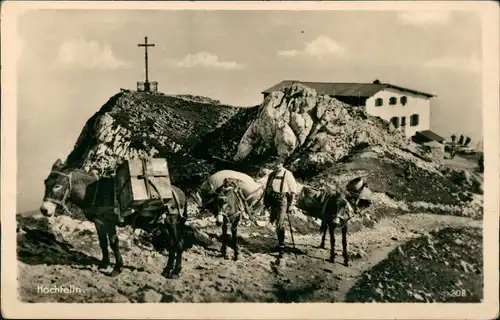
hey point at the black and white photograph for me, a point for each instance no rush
(280, 155)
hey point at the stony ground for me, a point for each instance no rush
(427, 269)
(389, 262)
(395, 256)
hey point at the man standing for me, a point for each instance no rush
(280, 194)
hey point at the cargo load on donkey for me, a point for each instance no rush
(142, 185)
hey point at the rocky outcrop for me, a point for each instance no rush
(134, 125)
(223, 141)
(295, 121)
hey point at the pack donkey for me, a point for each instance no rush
(336, 208)
(227, 194)
(88, 192)
(230, 204)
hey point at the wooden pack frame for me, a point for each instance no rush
(143, 184)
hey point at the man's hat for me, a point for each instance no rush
(358, 187)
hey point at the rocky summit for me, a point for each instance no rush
(135, 124)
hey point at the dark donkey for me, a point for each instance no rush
(81, 188)
(230, 203)
(335, 209)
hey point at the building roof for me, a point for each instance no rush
(345, 89)
(431, 135)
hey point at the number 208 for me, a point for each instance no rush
(458, 293)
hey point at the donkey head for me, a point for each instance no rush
(227, 201)
(57, 189)
(358, 193)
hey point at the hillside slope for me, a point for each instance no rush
(134, 124)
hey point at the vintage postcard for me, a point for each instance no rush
(250, 160)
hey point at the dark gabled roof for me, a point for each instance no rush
(431, 135)
(345, 89)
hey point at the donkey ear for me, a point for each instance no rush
(57, 165)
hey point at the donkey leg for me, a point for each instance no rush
(167, 271)
(344, 245)
(103, 243)
(178, 260)
(179, 248)
(115, 246)
(234, 233)
(324, 228)
(223, 250)
(331, 228)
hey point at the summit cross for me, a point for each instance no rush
(146, 45)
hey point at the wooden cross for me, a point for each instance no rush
(146, 45)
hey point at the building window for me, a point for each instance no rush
(379, 102)
(395, 122)
(414, 120)
(403, 121)
(404, 100)
(393, 101)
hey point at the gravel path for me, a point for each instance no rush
(305, 277)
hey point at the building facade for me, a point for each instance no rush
(407, 109)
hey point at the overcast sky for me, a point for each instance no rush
(73, 61)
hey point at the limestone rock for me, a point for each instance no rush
(296, 119)
(134, 125)
(151, 296)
